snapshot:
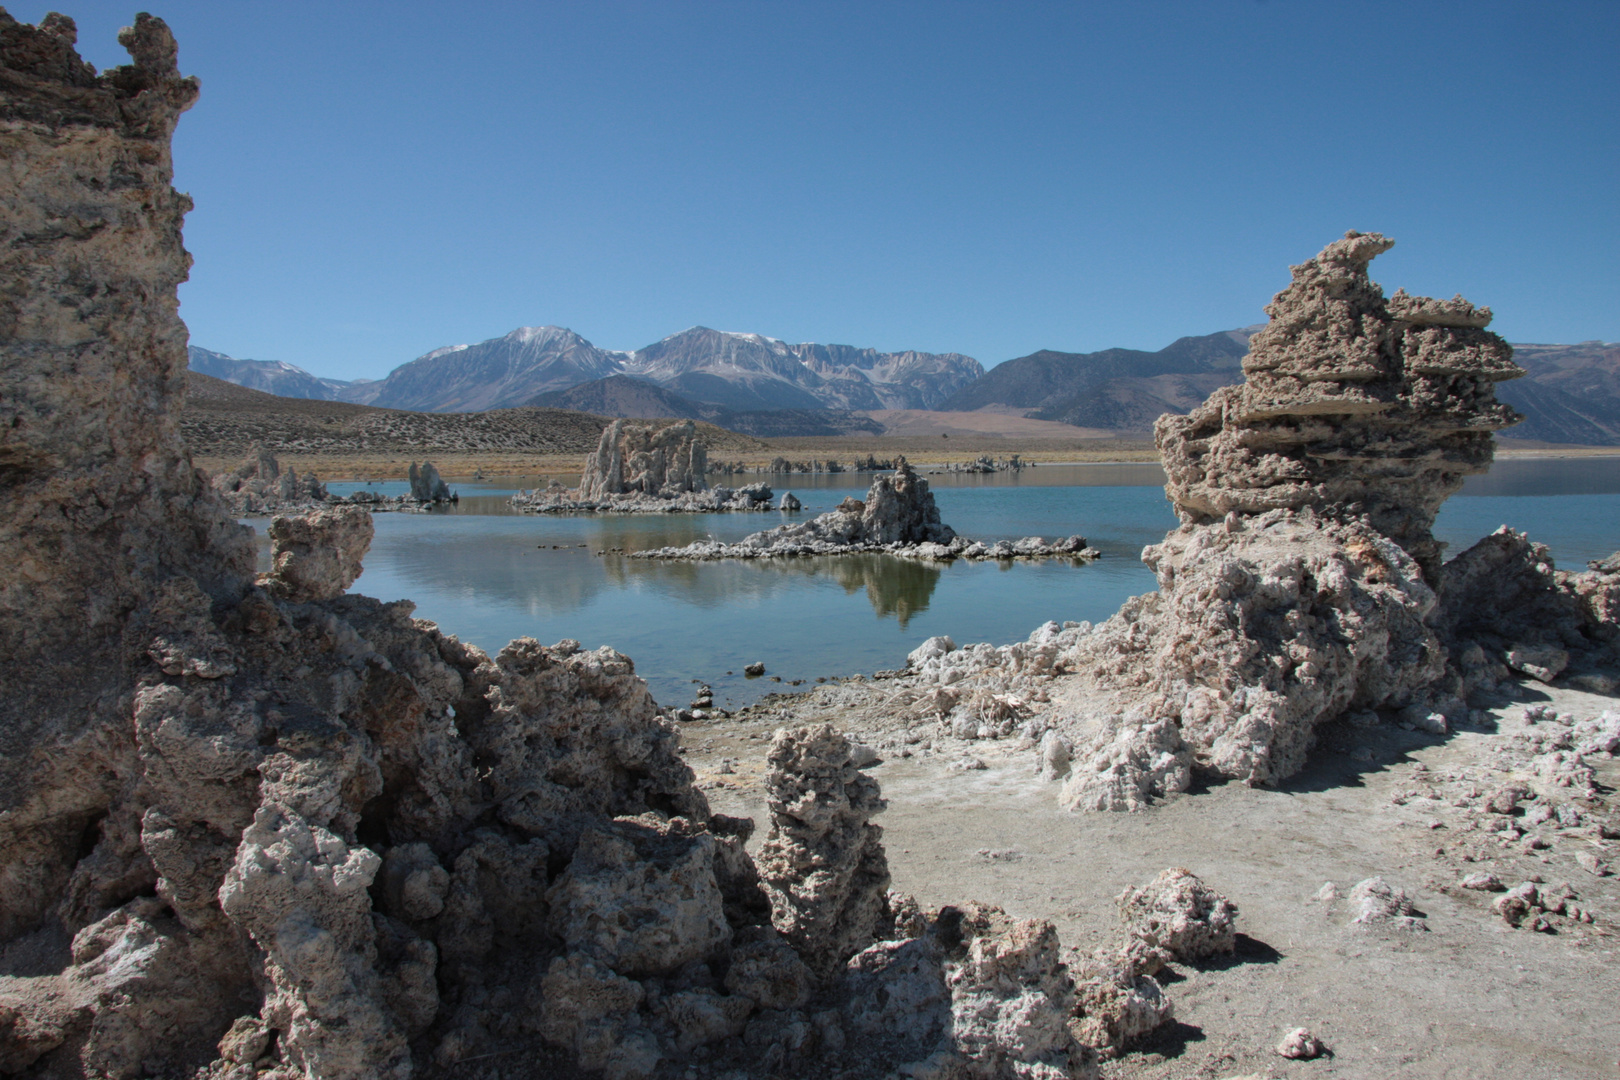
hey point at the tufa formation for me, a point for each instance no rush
(636, 459)
(1305, 584)
(259, 827)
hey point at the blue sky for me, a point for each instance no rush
(376, 180)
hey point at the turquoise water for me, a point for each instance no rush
(488, 576)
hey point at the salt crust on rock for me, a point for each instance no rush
(266, 828)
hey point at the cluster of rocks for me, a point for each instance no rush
(870, 463)
(637, 469)
(260, 486)
(897, 517)
(254, 826)
(711, 500)
(984, 463)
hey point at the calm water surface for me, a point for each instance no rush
(488, 575)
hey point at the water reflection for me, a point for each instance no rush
(898, 587)
(489, 576)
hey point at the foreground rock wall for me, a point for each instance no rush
(261, 827)
(90, 460)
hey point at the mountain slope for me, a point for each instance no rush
(1122, 389)
(621, 395)
(222, 420)
(493, 374)
(751, 371)
(270, 376)
(1571, 394)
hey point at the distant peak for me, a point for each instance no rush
(526, 334)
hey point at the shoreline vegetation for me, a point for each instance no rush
(527, 470)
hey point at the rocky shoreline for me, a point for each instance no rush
(252, 826)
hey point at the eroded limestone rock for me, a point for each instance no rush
(650, 461)
(822, 864)
(1304, 583)
(1351, 403)
(1178, 917)
(427, 486)
(975, 995)
(317, 556)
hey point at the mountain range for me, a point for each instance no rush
(621, 395)
(748, 372)
(766, 387)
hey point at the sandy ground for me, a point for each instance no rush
(1472, 997)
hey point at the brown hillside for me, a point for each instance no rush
(222, 421)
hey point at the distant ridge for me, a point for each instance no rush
(744, 372)
(270, 376)
(1118, 389)
(623, 396)
(766, 387)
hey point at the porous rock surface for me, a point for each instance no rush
(1351, 403)
(1304, 583)
(638, 458)
(261, 827)
(822, 864)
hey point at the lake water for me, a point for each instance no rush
(488, 575)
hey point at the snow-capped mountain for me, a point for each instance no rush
(271, 376)
(751, 371)
(494, 374)
(740, 371)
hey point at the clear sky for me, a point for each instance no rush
(374, 180)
